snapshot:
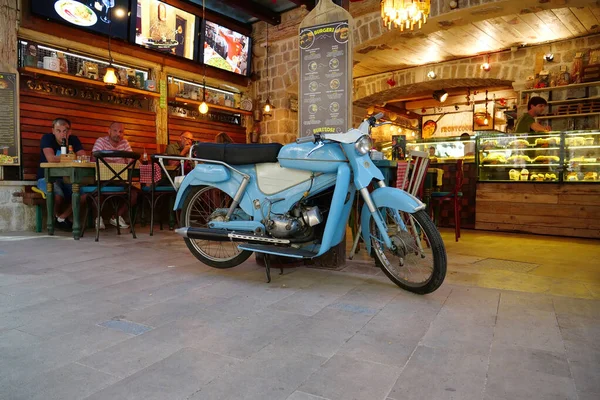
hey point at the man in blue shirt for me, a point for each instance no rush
(50, 152)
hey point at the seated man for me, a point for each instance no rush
(50, 152)
(115, 141)
(181, 148)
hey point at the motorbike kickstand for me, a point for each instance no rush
(268, 268)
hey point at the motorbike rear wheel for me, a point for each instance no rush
(418, 262)
(202, 205)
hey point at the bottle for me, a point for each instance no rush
(145, 157)
(63, 147)
(71, 150)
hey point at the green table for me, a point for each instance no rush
(72, 172)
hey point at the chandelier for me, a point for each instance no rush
(404, 13)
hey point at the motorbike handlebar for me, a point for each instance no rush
(373, 119)
(306, 139)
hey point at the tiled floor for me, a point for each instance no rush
(517, 318)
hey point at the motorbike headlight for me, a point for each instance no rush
(363, 145)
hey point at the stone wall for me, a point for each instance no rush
(14, 215)
(508, 66)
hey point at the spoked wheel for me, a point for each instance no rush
(417, 262)
(202, 205)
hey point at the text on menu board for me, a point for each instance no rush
(324, 92)
(9, 140)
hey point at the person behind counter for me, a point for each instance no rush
(526, 123)
(469, 148)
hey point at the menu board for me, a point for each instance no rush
(324, 91)
(226, 49)
(101, 16)
(9, 137)
(159, 26)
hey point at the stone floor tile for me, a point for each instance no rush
(588, 396)
(390, 340)
(178, 376)
(517, 301)
(577, 307)
(529, 328)
(440, 373)
(343, 377)
(584, 362)
(57, 352)
(311, 300)
(270, 374)
(580, 330)
(298, 395)
(72, 381)
(517, 372)
(132, 355)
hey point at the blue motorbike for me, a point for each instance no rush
(295, 201)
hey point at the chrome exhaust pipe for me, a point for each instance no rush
(221, 235)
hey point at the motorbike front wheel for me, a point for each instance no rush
(202, 205)
(417, 262)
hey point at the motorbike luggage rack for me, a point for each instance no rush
(238, 194)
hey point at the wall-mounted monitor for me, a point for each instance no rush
(161, 27)
(101, 16)
(226, 49)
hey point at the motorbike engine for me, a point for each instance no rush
(297, 223)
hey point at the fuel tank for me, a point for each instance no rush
(325, 159)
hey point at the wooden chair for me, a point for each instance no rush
(114, 187)
(454, 196)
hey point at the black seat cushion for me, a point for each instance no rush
(237, 154)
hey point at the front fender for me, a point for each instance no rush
(387, 197)
(202, 174)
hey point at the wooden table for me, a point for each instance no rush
(72, 172)
(75, 173)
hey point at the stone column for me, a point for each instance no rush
(9, 23)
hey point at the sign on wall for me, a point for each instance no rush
(444, 125)
(324, 91)
(9, 133)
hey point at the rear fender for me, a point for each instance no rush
(202, 175)
(387, 197)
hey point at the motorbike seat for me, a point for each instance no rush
(237, 154)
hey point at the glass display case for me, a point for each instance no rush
(551, 157)
(445, 149)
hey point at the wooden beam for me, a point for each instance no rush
(256, 10)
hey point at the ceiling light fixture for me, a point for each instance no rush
(431, 74)
(404, 13)
(203, 107)
(486, 65)
(440, 95)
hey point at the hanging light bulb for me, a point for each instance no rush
(203, 107)
(268, 108)
(110, 78)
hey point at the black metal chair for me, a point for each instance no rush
(114, 183)
(155, 191)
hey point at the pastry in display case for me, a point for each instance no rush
(582, 156)
(572, 156)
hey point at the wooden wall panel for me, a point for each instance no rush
(204, 131)
(548, 209)
(89, 121)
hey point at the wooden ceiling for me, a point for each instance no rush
(394, 51)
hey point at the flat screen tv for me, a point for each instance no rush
(161, 27)
(226, 49)
(101, 16)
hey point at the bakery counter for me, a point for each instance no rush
(547, 208)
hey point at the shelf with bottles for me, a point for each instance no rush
(186, 91)
(37, 59)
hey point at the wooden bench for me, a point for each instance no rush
(32, 198)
